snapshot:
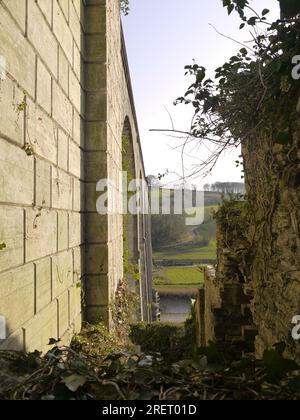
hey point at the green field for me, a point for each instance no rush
(187, 251)
(179, 277)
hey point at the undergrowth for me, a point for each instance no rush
(83, 374)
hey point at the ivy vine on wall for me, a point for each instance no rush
(253, 91)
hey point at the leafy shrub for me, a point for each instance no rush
(165, 338)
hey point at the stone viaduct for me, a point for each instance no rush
(67, 120)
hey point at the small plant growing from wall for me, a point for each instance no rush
(29, 149)
(2, 246)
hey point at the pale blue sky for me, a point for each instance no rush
(162, 36)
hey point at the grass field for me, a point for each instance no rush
(179, 277)
(187, 251)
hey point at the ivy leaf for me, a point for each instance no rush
(74, 382)
(265, 12)
(230, 8)
(242, 25)
(277, 366)
(53, 341)
(252, 21)
(284, 138)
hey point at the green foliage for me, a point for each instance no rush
(254, 91)
(277, 366)
(213, 355)
(289, 8)
(167, 229)
(97, 341)
(169, 340)
(72, 374)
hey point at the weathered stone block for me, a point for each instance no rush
(11, 117)
(14, 342)
(43, 287)
(75, 93)
(62, 272)
(43, 87)
(95, 166)
(42, 183)
(61, 190)
(64, 4)
(12, 235)
(96, 314)
(95, 76)
(41, 329)
(95, 19)
(41, 133)
(63, 150)
(42, 37)
(78, 64)
(46, 8)
(75, 24)
(97, 290)
(78, 6)
(19, 55)
(96, 136)
(95, 48)
(78, 263)
(97, 259)
(75, 302)
(76, 229)
(75, 160)
(17, 297)
(63, 313)
(18, 9)
(62, 108)
(63, 71)
(78, 129)
(96, 228)
(96, 106)
(63, 231)
(62, 31)
(78, 195)
(16, 175)
(91, 197)
(41, 231)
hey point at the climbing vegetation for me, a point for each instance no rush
(84, 373)
(252, 91)
(124, 5)
(173, 341)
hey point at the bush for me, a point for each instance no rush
(165, 338)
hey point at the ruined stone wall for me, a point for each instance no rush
(273, 184)
(258, 272)
(64, 99)
(226, 301)
(41, 171)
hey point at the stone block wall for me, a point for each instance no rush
(225, 302)
(41, 171)
(65, 98)
(110, 113)
(273, 187)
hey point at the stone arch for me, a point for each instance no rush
(131, 252)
